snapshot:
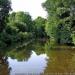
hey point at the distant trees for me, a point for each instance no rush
(39, 24)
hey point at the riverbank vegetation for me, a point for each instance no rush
(19, 27)
(61, 21)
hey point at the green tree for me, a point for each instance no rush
(39, 24)
(22, 20)
(4, 10)
(60, 19)
(17, 29)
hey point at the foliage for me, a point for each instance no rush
(18, 29)
(39, 24)
(4, 10)
(22, 20)
(60, 19)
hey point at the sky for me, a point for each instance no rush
(34, 7)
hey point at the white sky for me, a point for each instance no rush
(32, 6)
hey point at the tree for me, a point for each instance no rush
(22, 20)
(39, 24)
(18, 29)
(4, 10)
(60, 19)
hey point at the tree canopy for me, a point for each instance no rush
(22, 20)
(39, 24)
(60, 19)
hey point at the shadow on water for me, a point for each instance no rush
(37, 58)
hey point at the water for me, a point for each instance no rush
(35, 65)
(38, 59)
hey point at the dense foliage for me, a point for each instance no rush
(19, 27)
(61, 20)
(39, 27)
(4, 10)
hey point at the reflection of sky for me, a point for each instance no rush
(35, 64)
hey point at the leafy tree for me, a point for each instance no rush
(60, 19)
(4, 10)
(39, 24)
(22, 20)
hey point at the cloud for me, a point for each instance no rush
(32, 6)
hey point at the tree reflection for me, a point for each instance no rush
(24, 53)
(21, 54)
(38, 47)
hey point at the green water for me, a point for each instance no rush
(37, 59)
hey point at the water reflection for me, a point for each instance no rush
(37, 58)
(35, 65)
(20, 55)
